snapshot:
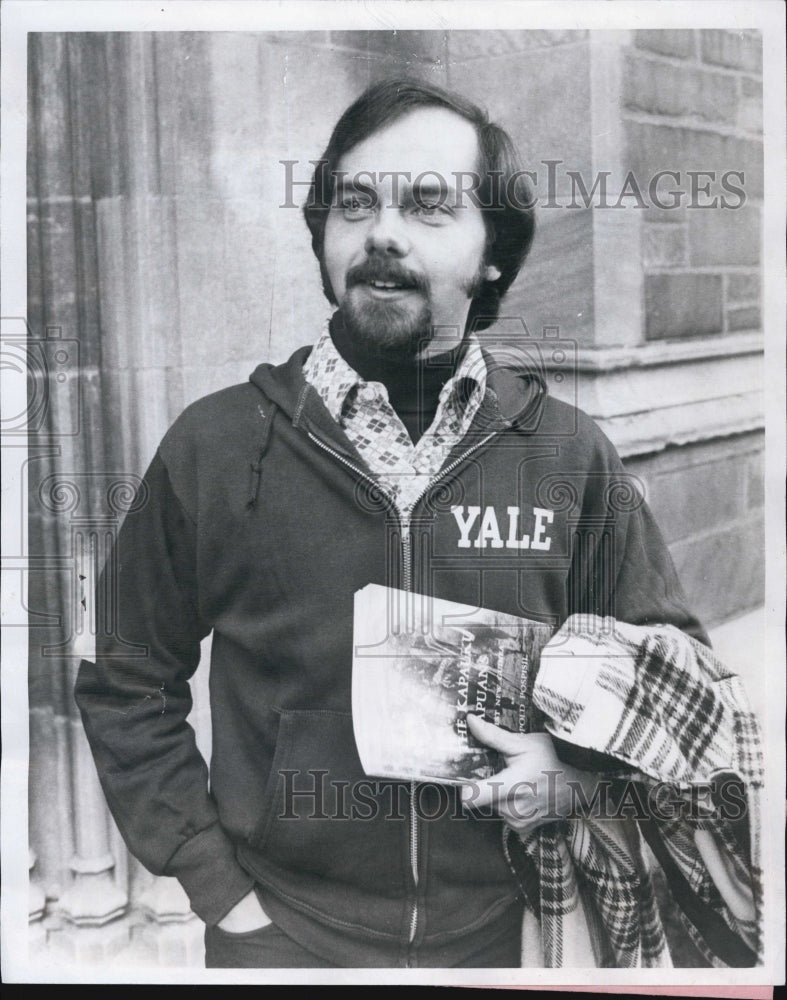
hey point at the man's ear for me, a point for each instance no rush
(492, 272)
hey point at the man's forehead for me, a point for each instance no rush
(422, 140)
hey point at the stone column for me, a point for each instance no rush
(36, 909)
(173, 935)
(94, 901)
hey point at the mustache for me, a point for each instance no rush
(378, 269)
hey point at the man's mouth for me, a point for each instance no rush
(388, 290)
(384, 281)
(388, 285)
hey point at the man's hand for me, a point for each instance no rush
(532, 788)
(247, 915)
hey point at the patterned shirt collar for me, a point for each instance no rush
(334, 379)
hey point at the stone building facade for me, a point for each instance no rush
(161, 267)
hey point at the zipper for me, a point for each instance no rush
(405, 519)
(413, 864)
(405, 522)
(407, 556)
(370, 479)
(356, 470)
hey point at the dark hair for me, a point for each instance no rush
(504, 194)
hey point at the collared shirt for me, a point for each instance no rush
(362, 409)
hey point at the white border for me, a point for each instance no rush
(20, 16)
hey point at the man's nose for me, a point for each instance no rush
(387, 233)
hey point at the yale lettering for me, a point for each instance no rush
(488, 528)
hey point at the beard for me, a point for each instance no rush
(398, 330)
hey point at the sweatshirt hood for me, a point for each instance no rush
(518, 393)
(284, 384)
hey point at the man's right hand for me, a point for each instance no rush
(247, 915)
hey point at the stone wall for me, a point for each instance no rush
(657, 281)
(161, 268)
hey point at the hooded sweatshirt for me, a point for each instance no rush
(258, 521)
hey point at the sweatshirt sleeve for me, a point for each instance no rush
(621, 566)
(621, 569)
(135, 700)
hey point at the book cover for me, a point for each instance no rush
(420, 664)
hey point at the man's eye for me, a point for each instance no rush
(430, 210)
(355, 206)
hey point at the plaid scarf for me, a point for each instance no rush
(687, 796)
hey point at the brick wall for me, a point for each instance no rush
(707, 499)
(692, 101)
(664, 303)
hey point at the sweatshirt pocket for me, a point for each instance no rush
(322, 816)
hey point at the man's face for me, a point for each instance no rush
(406, 267)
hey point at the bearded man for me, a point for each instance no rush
(271, 503)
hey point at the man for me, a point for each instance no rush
(396, 451)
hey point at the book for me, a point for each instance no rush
(420, 664)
